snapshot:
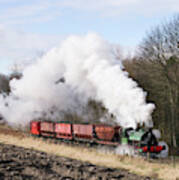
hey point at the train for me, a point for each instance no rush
(143, 141)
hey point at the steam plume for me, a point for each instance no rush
(89, 71)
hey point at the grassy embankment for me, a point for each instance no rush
(158, 169)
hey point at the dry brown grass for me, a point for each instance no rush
(134, 165)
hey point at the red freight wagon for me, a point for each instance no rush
(47, 129)
(35, 127)
(63, 130)
(106, 133)
(83, 131)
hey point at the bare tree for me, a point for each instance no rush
(160, 48)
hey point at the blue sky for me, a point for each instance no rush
(29, 28)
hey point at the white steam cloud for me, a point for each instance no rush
(90, 71)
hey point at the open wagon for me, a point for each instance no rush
(47, 128)
(63, 130)
(83, 131)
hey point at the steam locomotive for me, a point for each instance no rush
(143, 141)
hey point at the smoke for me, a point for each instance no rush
(126, 150)
(90, 71)
(163, 153)
(156, 133)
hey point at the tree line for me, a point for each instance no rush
(156, 68)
